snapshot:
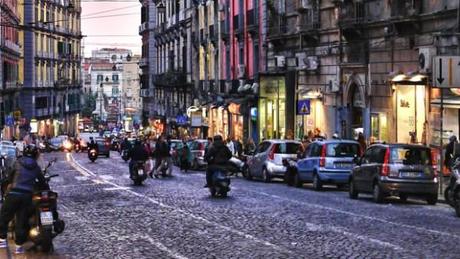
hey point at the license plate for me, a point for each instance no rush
(46, 218)
(342, 165)
(140, 172)
(410, 174)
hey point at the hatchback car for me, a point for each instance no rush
(323, 162)
(396, 170)
(197, 150)
(103, 146)
(267, 162)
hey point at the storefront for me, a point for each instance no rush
(236, 121)
(310, 112)
(275, 111)
(218, 118)
(411, 112)
(451, 115)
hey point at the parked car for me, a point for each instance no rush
(329, 161)
(103, 146)
(267, 162)
(197, 150)
(10, 153)
(56, 143)
(395, 170)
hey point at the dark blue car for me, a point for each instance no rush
(329, 161)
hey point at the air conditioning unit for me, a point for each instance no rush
(301, 61)
(280, 61)
(304, 4)
(241, 70)
(425, 58)
(312, 63)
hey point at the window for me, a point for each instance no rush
(367, 158)
(41, 102)
(316, 150)
(287, 148)
(100, 78)
(410, 156)
(342, 150)
(115, 77)
(263, 147)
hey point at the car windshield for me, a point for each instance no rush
(8, 150)
(410, 156)
(56, 141)
(198, 145)
(342, 150)
(287, 148)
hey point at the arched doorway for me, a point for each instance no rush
(356, 106)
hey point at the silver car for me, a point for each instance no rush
(267, 162)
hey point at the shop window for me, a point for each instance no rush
(41, 102)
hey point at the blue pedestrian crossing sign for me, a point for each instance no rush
(303, 107)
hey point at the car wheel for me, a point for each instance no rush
(265, 175)
(403, 197)
(377, 194)
(352, 192)
(317, 184)
(432, 199)
(297, 181)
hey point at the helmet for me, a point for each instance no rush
(452, 138)
(218, 138)
(335, 136)
(30, 151)
(137, 142)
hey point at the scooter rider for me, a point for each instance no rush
(92, 145)
(137, 153)
(19, 196)
(217, 157)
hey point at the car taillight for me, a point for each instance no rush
(434, 161)
(322, 160)
(271, 154)
(386, 160)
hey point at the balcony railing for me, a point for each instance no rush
(406, 8)
(352, 14)
(308, 21)
(143, 27)
(11, 45)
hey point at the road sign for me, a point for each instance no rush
(446, 71)
(9, 120)
(303, 107)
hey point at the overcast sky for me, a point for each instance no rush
(102, 22)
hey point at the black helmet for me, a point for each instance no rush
(218, 138)
(30, 151)
(137, 142)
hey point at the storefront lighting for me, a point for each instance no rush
(399, 78)
(417, 78)
(33, 126)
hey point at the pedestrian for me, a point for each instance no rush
(362, 142)
(305, 142)
(238, 147)
(250, 147)
(184, 156)
(230, 145)
(18, 200)
(161, 153)
(450, 151)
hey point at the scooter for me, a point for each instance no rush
(163, 169)
(138, 174)
(220, 185)
(124, 155)
(236, 165)
(92, 155)
(44, 222)
(452, 191)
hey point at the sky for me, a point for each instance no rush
(119, 28)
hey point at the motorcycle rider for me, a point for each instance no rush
(217, 157)
(161, 153)
(137, 153)
(92, 145)
(19, 197)
(125, 145)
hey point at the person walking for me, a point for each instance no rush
(184, 157)
(450, 152)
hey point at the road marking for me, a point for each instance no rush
(81, 178)
(76, 185)
(191, 215)
(117, 189)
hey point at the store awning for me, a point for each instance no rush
(451, 103)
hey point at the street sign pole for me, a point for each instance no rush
(441, 142)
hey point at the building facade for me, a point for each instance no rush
(50, 97)
(10, 53)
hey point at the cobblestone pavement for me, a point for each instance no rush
(107, 217)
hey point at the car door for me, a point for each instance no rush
(373, 167)
(302, 163)
(359, 172)
(311, 162)
(255, 161)
(262, 156)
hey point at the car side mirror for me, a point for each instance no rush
(357, 160)
(300, 156)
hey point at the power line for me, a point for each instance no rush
(108, 1)
(112, 35)
(110, 10)
(111, 15)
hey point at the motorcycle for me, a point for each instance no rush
(220, 185)
(163, 169)
(77, 147)
(44, 222)
(124, 155)
(452, 191)
(237, 165)
(92, 155)
(138, 174)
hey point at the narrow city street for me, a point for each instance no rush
(107, 217)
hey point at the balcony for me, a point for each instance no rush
(11, 46)
(170, 79)
(308, 24)
(352, 19)
(143, 27)
(405, 16)
(202, 37)
(223, 34)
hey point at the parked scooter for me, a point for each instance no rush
(44, 222)
(92, 155)
(138, 174)
(220, 185)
